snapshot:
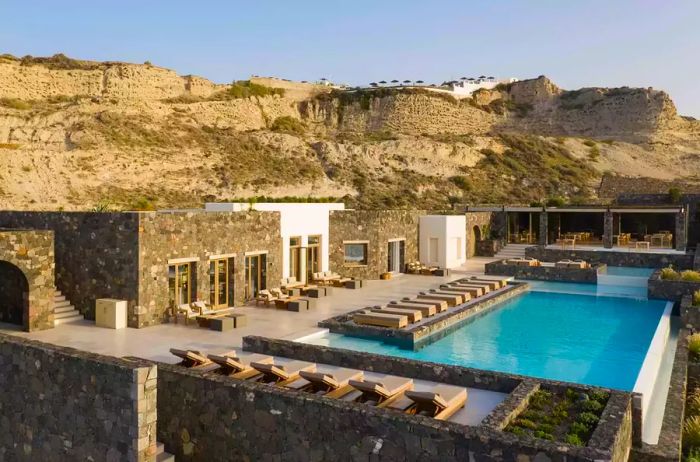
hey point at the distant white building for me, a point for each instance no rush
(467, 86)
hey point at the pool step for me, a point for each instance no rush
(512, 251)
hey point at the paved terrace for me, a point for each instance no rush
(155, 342)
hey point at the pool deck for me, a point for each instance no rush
(155, 342)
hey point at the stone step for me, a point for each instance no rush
(165, 457)
(66, 314)
(160, 448)
(58, 298)
(61, 304)
(57, 293)
(75, 317)
(64, 309)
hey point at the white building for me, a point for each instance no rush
(443, 240)
(469, 86)
(304, 228)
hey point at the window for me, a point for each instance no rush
(313, 256)
(295, 257)
(181, 282)
(356, 253)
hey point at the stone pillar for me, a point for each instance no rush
(544, 227)
(680, 237)
(608, 230)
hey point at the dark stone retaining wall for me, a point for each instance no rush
(665, 289)
(614, 258)
(438, 325)
(209, 417)
(690, 314)
(546, 273)
(488, 247)
(377, 227)
(613, 433)
(96, 253)
(27, 284)
(668, 448)
(61, 404)
(164, 236)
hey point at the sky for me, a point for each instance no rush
(576, 43)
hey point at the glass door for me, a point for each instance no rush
(396, 256)
(255, 275)
(313, 257)
(218, 282)
(391, 257)
(295, 257)
(180, 284)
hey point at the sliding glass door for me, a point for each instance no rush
(313, 257)
(255, 275)
(219, 282)
(180, 284)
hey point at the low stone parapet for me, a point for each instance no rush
(547, 272)
(668, 289)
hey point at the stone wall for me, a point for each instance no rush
(61, 404)
(482, 221)
(96, 253)
(546, 273)
(690, 314)
(376, 227)
(200, 235)
(614, 258)
(666, 289)
(27, 278)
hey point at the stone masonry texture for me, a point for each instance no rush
(376, 227)
(200, 235)
(60, 404)
(29, 293)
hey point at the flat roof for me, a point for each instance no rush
(579, 209)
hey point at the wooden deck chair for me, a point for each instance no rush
(494, 284)
(370, 318)
(413, 315)
(333, 384)
(425, 309)
(280, 374)
(441, 402)
(191, 359)
(233, 366)
(381, 392)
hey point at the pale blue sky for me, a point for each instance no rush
(576, 43)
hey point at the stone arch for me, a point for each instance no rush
(475, 235)
(14, 295)
(27, 278)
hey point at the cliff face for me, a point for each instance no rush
(77, 133)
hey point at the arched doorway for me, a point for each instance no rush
(14, 295)
(474, 237)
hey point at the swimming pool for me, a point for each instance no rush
(582, 338)
(629, 271)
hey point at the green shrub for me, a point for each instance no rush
(515, 430)
(669, 274)
(675, 194)
(594, 153)
(588, 419)
(589, 143)
(599, 395)
(462, 182)
(574, 439)
(579, 428)
(692, 407)
(547, 428)
(14, 103)
(544, 435)
(696, 298)
(691, 276)
(246, 89)
(142, 204)
(694, 344)
(691, 432)
(591, 406)
(556, 201)
(288, 124)
(693, 455)
(526, 423)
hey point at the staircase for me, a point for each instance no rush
(161, 455)
(63, 311)
(512, 251)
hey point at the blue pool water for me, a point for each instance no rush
(629, 271)
(588, 339)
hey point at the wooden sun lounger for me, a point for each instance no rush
(441, 402)
(425, 309)
(239, 367)
(493, 284)
(440, 305)
(451, 299)
(281, 374)
(191, 359)
(475, 285)
(413, 314)
(381, 392)
(378, 319)
(463, 292)
(333, 384)
(472, 290)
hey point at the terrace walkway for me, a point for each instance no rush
(155, 342)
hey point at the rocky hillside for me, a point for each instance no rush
(79, 134)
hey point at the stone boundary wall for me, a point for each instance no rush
(32, 252)
(488, 247)
(668, 448)
(612, 438)
(690, 314)
(376, 227)
(546, 273)
(205, 416)
(96, 253)
(62, 404)
(410, 336)
(665, 289)
(613, 258)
